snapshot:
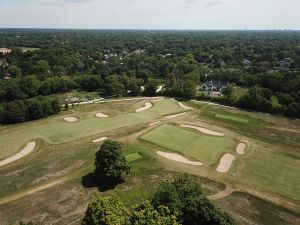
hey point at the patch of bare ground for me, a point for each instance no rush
(221, 194)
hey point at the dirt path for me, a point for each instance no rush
(25, 151)
(203, 130)
(225, 163)
(222, 194)
(178, 158)
(30, 192)
(175, 115)
(154, 123)
(148, 105)
(184, 106)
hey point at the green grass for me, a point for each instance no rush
(233, 118)
(55, 130)
(133, 157)
(205, 148)
(269, 170)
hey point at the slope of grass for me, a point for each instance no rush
(204, 148)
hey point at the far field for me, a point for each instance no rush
(265, 179)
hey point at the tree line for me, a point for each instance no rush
(120, 62)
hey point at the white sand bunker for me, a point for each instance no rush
(25, 151)
(70, 119)
(101, 115)
(225, 163)
(178, 158)
(154, 123)
(203, 130)
(240, 149)
(148, 105)
(100, 139)
(184, 106)
(175, 115)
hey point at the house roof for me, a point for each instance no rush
(216, 83)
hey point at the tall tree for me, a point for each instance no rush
(110, 162)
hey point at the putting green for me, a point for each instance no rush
(56, 130)
(232, 118)
(204, 148)
(133, 157)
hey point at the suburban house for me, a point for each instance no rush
(214, 85)
(5, 50)
(285, 64)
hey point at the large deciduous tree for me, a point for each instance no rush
(110, 162)
(106, 211)
(184, 195)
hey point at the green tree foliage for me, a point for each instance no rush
(146, 214)
(189, 89)
(106, 211)
(184, 195)
(110, 162)
(14, 71)
(151, 87)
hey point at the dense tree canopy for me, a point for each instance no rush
(116, 63)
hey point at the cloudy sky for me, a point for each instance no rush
(151, 14)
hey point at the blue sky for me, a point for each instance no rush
(151, 14)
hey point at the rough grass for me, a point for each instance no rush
(205, 148)
(269, 170)
(248, 209)
(233, 118)
(56, 131)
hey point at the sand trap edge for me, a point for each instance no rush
(178, 158)
(29, 147)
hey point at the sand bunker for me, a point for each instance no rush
(101, 115)
(184, 106)
(100, 139)
(175, 115)
(154, 123)
(225, 163)
(25, 151)
(178, 158)
(204, 130)
(240, 149)
(70, 119)
(148, 105)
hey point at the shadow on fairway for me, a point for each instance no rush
(103, 184)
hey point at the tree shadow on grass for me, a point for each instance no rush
(92, 180)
